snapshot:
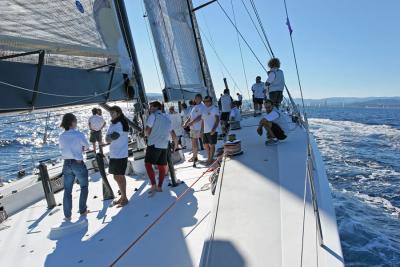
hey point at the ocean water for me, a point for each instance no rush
(361, 149)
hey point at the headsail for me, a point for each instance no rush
(179, 49)
(72, 39)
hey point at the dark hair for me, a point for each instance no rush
(269, 101)
(156, 105)
(208, 98)
(226, 91)
(67, 121)
(274, 63)
(184, 105)
(258, 78)
(199, 95)
(94, 111)
(116, 109)
(99, 111)
(235, 103)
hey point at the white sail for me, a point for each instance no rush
(176, 47)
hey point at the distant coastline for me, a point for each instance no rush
(348, 102)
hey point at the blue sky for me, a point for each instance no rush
(344, 47)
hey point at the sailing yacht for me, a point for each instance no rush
(263, 206)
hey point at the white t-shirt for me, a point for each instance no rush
(96, 122)
(72, 143)
(194, 113)
(259, 90)
(272, 116)
(226, 103)
(278, 118)
(208, 116)
(176, 122)
(161, 128)
(235, 114)
(118, 147)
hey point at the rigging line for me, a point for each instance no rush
(241, 52)
(69, 103)
(176, 201)
(261, 26)
(220, 60)
(304, 216)
(294, 55)
(255, 26)
(170, 48)
(241, 35)
(151, 44)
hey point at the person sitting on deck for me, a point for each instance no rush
(96, 125)
(234, 116)
(72, 143)
(273, 122)
(259, 91)
(275, 82)
(158, 130)
(210, 122)
(117, 136)
(226, 107)
(194, 122)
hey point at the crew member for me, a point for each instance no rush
(275, 82)
(96, 125)
(226, 106)
(158, 131)
(117, 136)
(72, 143)
(210, 122)
(259, 92)
(273, 122)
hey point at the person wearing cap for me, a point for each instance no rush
(72, 143)
(158, 131)
(210, 122)
(259, 92)
(194, 122)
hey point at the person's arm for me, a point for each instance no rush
(149, 124)
(174, 139)
(84, 143)
(216, 123)
(271, 78)
(198, 118)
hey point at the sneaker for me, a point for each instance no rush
(271, 141)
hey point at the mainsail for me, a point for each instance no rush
(56, 53)
(179, 49)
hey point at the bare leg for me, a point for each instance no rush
(100, 147)
(121, 181)
(207, 147)
(211, 154)
(194, 148)
(94, 147)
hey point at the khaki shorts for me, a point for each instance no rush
(194, 133)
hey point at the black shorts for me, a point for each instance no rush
(240, 102)
(156, 156)
(276, 97)
(209, 138)
(118, 166)
(225, 116)
(278, 132)
(259, 101)
(95, 136)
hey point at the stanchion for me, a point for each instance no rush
(48, 190)
(107, 190)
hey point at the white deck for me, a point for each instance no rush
(259, 220)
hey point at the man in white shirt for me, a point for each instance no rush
(275, 82)
(235, 117)
(194, 122)
(158, 130)
(273, 122)
(176, 121)
(72, 143)
(259, 92)
(96, 124)
(226, 107)
(240, 101)
(210, 121)
(117, 136)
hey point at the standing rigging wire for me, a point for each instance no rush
(255, 26)
(221, 62)
(241, 36)
(294, 54)
(171, 49)
(241, 52)
(261, 26)
(151, 44)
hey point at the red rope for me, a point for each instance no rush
(160, 216)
